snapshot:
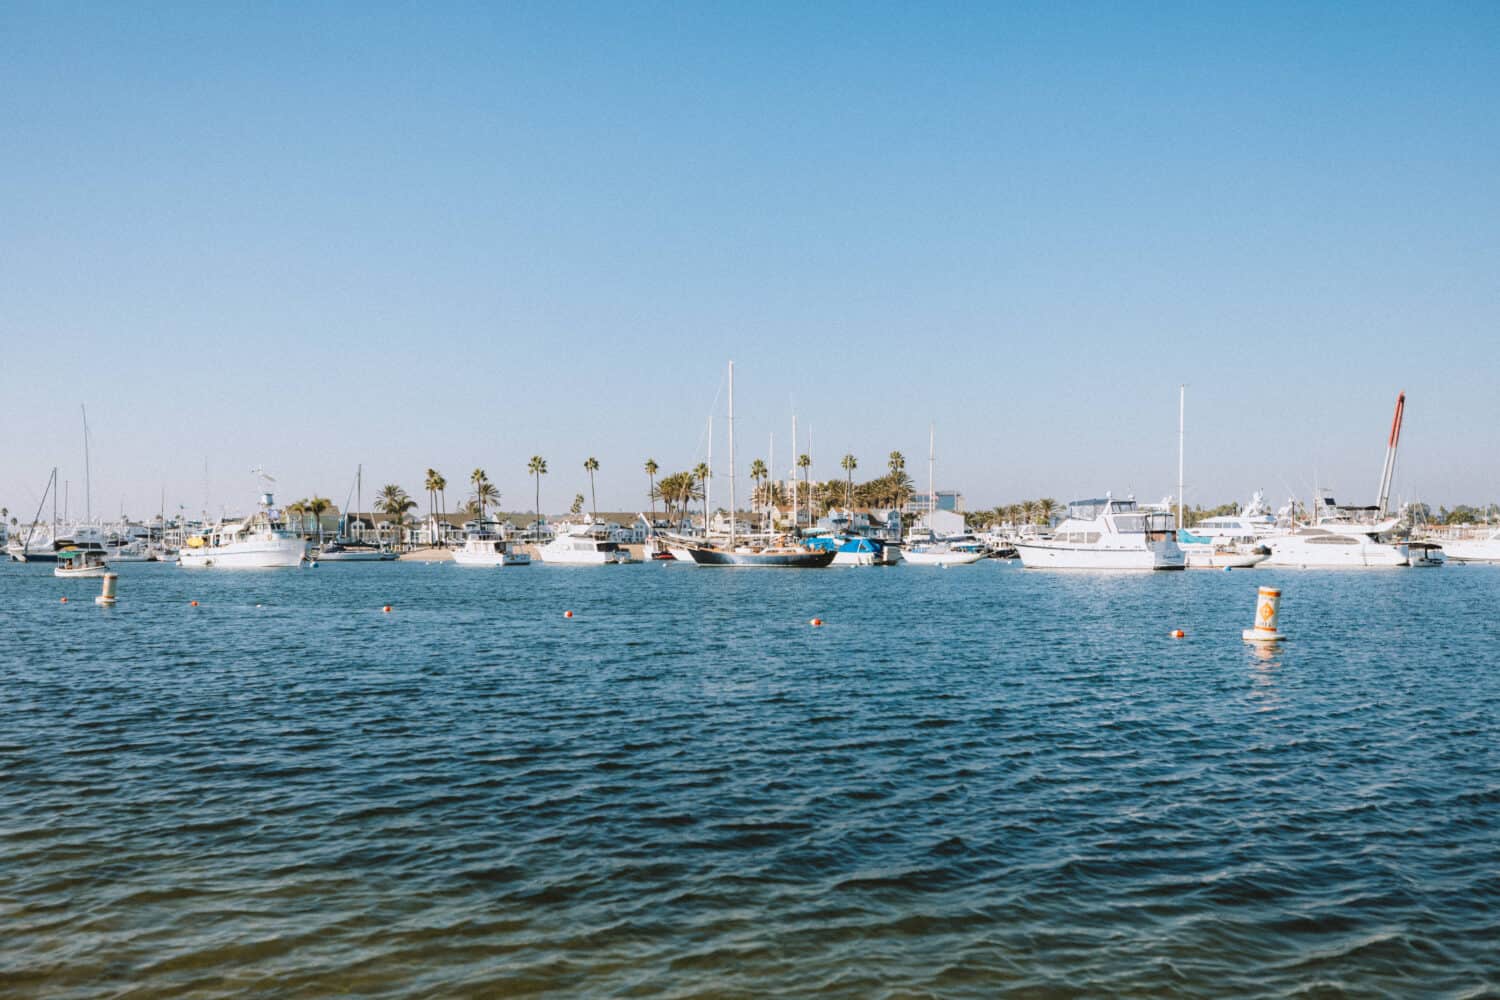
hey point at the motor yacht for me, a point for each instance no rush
(485, 544)
(1106, 534)
(584, 543)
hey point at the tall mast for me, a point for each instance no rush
(708, 480)
(1181, 414)
(88, 513)
(931, 459)
(359, 484)
(771, 486)
(731, 455)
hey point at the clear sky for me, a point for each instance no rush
(456, 235)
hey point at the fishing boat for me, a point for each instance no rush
(1106, 534)
(260, 541)
(485, 544)
(80, 563)
(584, 543)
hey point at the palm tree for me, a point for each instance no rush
(485, 495)
(317, 506)
(757, 473)
(1028, 508)
(538, 467)
(394, 503)
(298, 507)
(591, 465)
(804, 462)
(430, 483)
(477, 479)
(1045, 508)
(651, 470)
(577, 507)
(701, 473)
(897, 462)
(441, 485)
(850, 463)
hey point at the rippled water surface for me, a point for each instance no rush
(969, 782)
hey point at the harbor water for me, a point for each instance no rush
(975, 782)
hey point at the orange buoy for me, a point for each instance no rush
(64, 600)
(386, 609)
(193, 603)
(567, 614)
(815, 622)
(1179, 634)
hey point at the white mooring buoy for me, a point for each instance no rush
(1267, 607)
(107, 592)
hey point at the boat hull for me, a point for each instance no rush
(958, 557)
(804, 559)
(87, 573)
(1208, 558)
(367, 555)
(1040, 555)
(1485, 550)
(280, 554)
(1294, 553)
(575, 557)
(491, 559)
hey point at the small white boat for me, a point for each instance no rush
(485, 544)
(925, 549)
(1106, 534)
(1204, 552)
(80, 563)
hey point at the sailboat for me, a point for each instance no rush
(777, 551)
(37, 543)
(925, 548)
(347, 549)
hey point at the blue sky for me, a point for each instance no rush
(308, 237)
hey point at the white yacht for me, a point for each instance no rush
(924, 548)
(1345, 537)
(260, 541)
(583, 543)
(485, 544)
(1335, 546)
(1106, 534)
(1477, 550)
